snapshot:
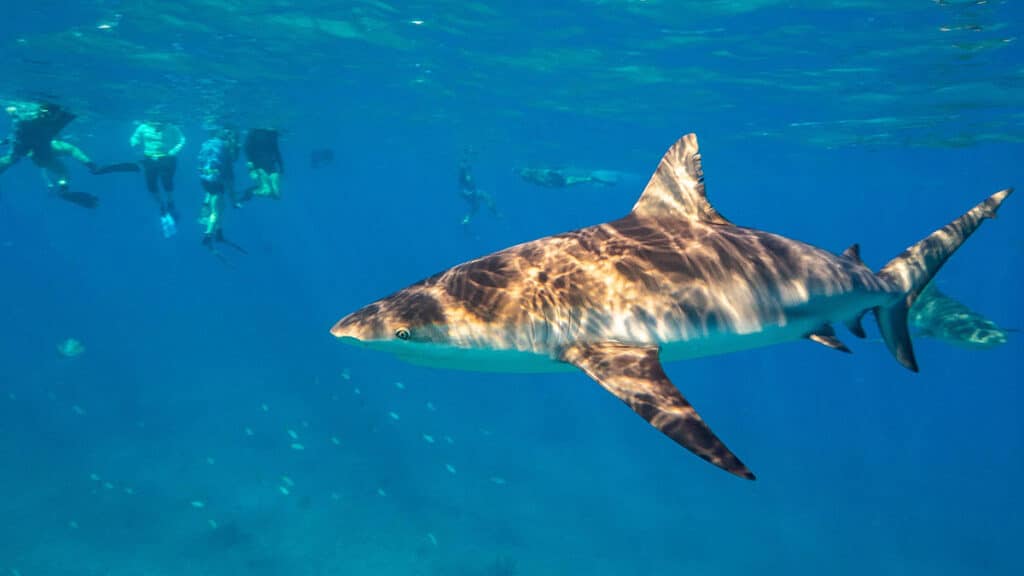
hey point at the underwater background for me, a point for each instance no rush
(213, 426)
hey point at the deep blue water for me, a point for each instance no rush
(195, 374)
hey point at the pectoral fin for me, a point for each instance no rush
(826, 336)
(635, 376)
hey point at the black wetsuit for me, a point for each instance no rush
(35, 134)
(161, 169)
(261, 149)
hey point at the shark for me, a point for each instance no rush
(939, 316)
(673, 279)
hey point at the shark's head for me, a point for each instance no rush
(400, 323)
(462, 328)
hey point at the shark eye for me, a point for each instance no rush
(402, 333)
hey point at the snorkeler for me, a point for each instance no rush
(35, 129)
(263, 159)
(217, 156)
(473, 195)
(161, 142)
(558, 178)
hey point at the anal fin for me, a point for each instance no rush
(635, 376)
(826, 336)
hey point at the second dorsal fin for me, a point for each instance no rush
(676, 189)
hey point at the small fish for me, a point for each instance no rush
(71, 348)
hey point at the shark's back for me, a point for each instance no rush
(646, 280)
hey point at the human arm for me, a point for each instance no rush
(181, 142)
(136, 138)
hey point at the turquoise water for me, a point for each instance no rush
(171, 445)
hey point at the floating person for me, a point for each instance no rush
(321, 157)
(161, 142)
(673, 279)
(936, 315)
(473, 195)
(561, 178)
(217, 157)
(263, 159)
(36, 127)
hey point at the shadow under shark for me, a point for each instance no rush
(673, 279)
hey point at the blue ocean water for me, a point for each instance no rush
(213, 426)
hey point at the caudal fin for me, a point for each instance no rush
(912, 270)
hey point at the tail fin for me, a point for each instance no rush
(912, 270)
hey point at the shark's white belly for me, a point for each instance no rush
(482, 359)
(679, 344)
(519, 361)
(717, 343)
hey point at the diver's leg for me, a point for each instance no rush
(150, 169)
(169, 164)
(262, 187)
(209, 213)
(474, 207)
(488, 199)
(55, 173)
(114, 168)
(210, 218)
(275, 184)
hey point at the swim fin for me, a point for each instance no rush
(114, 168)
(83, 199)
(168, 225)
(220, 238)
(247, 194)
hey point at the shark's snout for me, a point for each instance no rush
(362, 326)
(349, 330)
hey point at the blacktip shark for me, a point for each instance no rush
(936, 315)
(673, 279)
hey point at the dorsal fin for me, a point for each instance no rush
(676, 190)
(853, 253)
